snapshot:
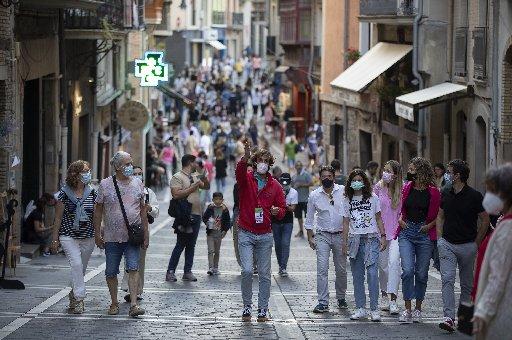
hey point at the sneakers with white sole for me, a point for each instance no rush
(359, 314)
(375, 315)
(405, 317)
(393, 308)
(416, 316)
(384, 303)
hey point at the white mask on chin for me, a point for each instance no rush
(492, 203)
(262, 168)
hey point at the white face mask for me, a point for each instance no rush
(492, 203)
(262, 168)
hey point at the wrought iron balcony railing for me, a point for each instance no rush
(218, 18)
(110, 13)
(238, 19)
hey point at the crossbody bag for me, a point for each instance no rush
(135, 231)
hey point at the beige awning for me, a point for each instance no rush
(405, 104)
(281, 69)
(217, 45)
(371, 65)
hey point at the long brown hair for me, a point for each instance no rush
(424, 171)
(73, 174)
(395, 190)
(367, 190)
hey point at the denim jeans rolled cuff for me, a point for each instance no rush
(114, 253)
(282, 237)
(185, 242)
(415, 254)
(365, 261)
(256, 247)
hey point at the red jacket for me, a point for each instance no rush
(271, 195)
(433, 208)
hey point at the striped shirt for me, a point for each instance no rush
(86, 229)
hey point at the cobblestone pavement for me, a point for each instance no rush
(209, 308)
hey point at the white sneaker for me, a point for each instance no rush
(393, 308)
(406, 317)
(359, 314)
(375, 315)
(416, 316)
(384, 303)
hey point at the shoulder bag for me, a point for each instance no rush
(135, 231)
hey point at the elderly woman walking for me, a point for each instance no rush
(74, 228)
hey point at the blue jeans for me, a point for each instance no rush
(359, 265)
(220, 184)
(258, 246)
(114, 252)
(282, 236)
(185, 242)
(415, 254)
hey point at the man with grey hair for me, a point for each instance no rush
(114, 236)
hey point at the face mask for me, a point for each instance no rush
(128, 170)
(327, 183)
(262, 168)
(411, 177)
(492, 203)
(357, 185)
(139, 177)
(86, 178)
(387, 177)
(448, 178)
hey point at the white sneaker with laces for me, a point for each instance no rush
(384, 303)
(416, 316)
(393, 308)
(406, 317)
(375, 315)
(359, 314)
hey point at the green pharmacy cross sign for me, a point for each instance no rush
(151, 69)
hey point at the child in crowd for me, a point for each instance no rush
(217, 220)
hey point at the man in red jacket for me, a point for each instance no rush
(261, 196)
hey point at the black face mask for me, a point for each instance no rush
(411, 177)
(327, 183)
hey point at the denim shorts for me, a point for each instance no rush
(114, 252)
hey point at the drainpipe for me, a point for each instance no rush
(417, 75)
(346, 28)
(310, 67)
(495, 82)
(63, 100)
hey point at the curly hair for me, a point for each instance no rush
(73, 173)
(424, 171)
(262, 153)
(367, 190)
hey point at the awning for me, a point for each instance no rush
(165, 89)
(217, 45)
(281, 69)
(104, 100)
(407, 103)
(371, 65)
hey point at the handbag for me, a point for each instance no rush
(135, 231)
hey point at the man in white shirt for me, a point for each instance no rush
(326, 203)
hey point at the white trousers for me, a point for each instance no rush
(78, 252)
(389, 268)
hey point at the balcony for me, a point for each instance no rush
(387, 11)
(218, 18)
(109, 14)
(237, 19)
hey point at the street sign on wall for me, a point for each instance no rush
(404, 111)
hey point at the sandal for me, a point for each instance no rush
(136, 311)
(113, 309)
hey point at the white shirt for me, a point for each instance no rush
(362, 214)
(328, 216)
(292, 197)
(204, 144)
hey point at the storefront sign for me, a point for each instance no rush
(151, 69)
(133, 115)
(404, 111)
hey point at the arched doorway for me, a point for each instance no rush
(480, 154)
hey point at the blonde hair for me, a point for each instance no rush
(73, 173)
(395, 190)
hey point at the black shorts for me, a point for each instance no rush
(301, 207)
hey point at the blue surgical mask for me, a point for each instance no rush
(448, 178)
(139, 177)
(86, 177)
(128, 170)
(357, 185)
